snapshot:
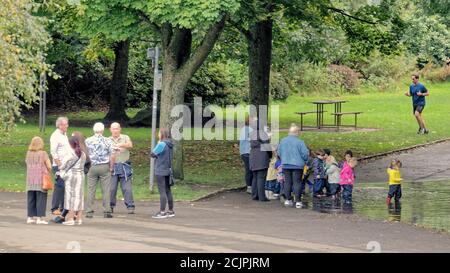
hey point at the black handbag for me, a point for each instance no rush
(171, 180)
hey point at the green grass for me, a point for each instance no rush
(211, 165)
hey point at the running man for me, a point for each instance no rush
(418, 92)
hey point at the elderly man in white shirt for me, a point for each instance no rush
(59, 148)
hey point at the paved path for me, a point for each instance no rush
(430, 163)
(226, 223)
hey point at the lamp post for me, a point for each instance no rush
(42, 102)
(153, 54)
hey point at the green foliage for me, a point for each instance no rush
(140, 75)
(279, 87)
(383, 72)
(428, 38)
(23, 40)
(219, 83)
(188, 14)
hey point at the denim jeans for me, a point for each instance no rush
(395, 191)
(318, 186)
(58, 192)
(333, 189)
(347, 193)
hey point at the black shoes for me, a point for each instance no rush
(107, 215)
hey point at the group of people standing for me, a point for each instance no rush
(283, 171)
(103, 160)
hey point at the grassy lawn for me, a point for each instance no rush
(212, 165)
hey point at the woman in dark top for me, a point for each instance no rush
(163, 153)
(260, 155)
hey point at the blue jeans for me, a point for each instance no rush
(58, 192)
(395, 191)
(127, 191)
(277, 187)
(333, 188)
(347, 193)
(319, 184)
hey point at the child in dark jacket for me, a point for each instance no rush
(280, 179)
(319, 174)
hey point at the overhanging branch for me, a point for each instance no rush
(342, 12)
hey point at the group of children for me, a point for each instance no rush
(325, 177)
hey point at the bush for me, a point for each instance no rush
(307, 78)
(344, 77)
(219, 83)
(436, 75)
(382, 72)
(279, 88)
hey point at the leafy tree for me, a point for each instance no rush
(23, 41)
(187, 30)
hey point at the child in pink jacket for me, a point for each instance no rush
(347, 180)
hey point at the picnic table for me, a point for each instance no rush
(337, 114)
(337, 109)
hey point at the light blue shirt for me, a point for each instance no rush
(244, 140)
(293, 153)
(100, 149)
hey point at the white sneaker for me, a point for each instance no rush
(79, 222)
(41, 222)
(30, 220)
(69, 223)
(276, 196)
(299, 205)
(288, 203)
(249, 189)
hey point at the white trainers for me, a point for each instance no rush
(79, 222)
(299, 205)
(69, 223)
(249, 189)
(30, 220)
(288, 203)
(41, 222)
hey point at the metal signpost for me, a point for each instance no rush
(153, 54)
(42, 102)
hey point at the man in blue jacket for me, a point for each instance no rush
(293, 154)
(418, 92)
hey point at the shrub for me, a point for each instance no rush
(279, 88)
(344, 76)
(440, 74)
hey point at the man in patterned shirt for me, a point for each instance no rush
(102, 162)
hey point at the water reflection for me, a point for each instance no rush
(395, 212)
(423, 203)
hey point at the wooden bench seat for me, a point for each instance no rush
(339, 118)
(305, 113)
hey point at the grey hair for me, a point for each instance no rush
(98, 127)
(294, 130)
(59, 120)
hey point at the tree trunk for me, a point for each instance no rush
(179, 66)
(260, 56)
(118, 88)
